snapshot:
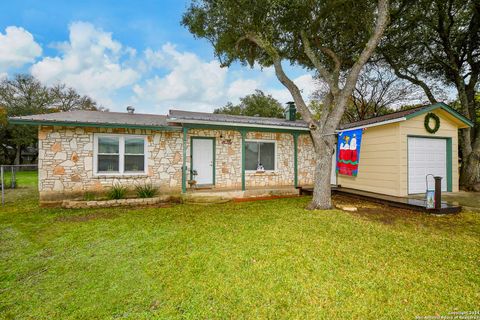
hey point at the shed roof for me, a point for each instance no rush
(405, 115)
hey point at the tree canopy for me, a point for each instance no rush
(24, 95)
(440, 39)
(340, 27)
(331, 37)
(255, 104)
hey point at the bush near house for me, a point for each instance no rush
(146, 191)
(117, 192)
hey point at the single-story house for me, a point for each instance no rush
(90, 151)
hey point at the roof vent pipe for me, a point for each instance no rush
(130, 109)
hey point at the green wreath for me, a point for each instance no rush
(427, 122)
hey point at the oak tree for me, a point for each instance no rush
(330, 37)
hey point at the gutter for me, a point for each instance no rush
(90, 124)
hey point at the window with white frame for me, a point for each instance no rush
(120, 154)
(260, 155)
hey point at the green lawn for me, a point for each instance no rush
(265, 259)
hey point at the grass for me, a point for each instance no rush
(266, 259)
(23, 178)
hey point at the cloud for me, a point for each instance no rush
(17, 48)
(188, 79)
(115, 75)
(191, 83)
(91, 62)
(307, 85)
(241, 87)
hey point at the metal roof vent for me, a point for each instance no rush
(130, 109)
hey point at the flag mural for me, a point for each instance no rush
(348, 154)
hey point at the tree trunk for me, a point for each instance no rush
(322, 191)
(17, 155)
(470, 172)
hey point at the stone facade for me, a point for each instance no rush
(228, 156)
(66, 161)
(306, 160)
(284, 173)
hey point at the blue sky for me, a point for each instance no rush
(126, 52)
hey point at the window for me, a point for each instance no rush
(118, 154)
(134, 154)
(259, 153)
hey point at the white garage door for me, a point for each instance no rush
(426, 156)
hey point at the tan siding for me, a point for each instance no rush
(378, 169)
(383, 166)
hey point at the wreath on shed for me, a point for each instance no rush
(427, 122)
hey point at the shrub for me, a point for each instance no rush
(146, 191)
(89, 196)
(117, 192)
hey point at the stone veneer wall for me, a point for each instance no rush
(228, 157)
(306, 160)
(284, 173)
(65, 162)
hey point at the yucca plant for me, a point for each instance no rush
(146, 190)
(117, 192)
(89, 196)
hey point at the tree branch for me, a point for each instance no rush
(282, 77)
(351, 80)
(413, 80)
(330, 79)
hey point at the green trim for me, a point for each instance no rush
(449, 162)
(445, 107)
(92, 125)
(184, 166)
(214, 154)
(243, 133)
(295, 159)
(246, 129)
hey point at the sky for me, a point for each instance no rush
(127, 53)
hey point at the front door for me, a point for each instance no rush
(203, 160)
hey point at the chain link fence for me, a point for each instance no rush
(11, 175)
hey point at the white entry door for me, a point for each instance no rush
(426, 156)
(202, 160)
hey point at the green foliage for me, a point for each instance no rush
(117, 192)
(11, 182)
(431, 116)
(344, 26)
(256, 104)
(146, 191)
(24, 95)
(89, 196)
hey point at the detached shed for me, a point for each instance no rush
(400, 149)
